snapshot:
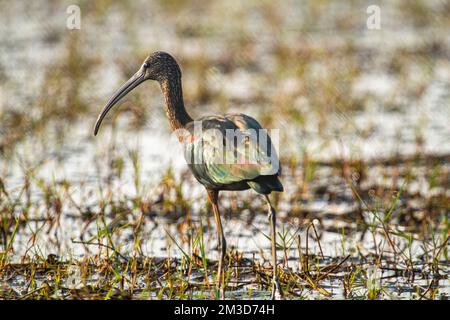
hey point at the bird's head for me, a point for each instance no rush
(158, 66)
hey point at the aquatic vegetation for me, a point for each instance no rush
(363, 142)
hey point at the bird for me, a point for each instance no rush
(251, 161)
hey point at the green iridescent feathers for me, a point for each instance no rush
(231, 149)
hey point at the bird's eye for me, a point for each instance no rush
(145, 65)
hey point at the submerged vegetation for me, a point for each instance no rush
(363, 142)
(371, 241)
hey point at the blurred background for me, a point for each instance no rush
(311, 68)
(357, 107)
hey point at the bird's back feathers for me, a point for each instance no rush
(232, 152)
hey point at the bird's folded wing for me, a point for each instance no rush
(241, 154)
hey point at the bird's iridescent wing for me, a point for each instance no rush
(231, 149)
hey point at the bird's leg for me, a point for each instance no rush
(272, 220)
(213, 197)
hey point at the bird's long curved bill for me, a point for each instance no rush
(132, 83)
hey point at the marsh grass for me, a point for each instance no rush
(389, 214)
(114, 273)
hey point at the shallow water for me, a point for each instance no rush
(398, 114)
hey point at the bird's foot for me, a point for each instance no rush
(221, 280)
(222, 293)
(277, 292)
(219, 292)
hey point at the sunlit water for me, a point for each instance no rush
(76, 156)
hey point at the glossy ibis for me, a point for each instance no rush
(201, 149)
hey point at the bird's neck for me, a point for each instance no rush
(174, 105)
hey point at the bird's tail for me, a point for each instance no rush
(266, 184)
